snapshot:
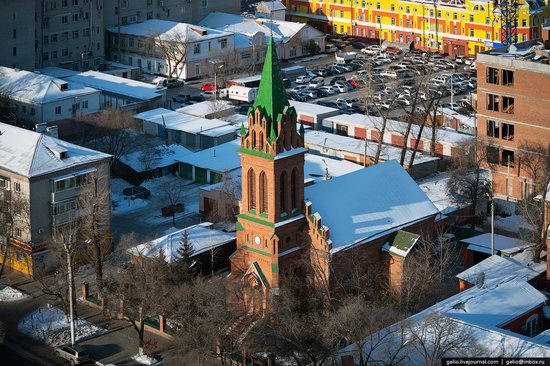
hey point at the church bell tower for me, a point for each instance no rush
(271, 220)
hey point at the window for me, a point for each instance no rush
(45, 39)
(492, 155)
(86, 32)
(492, 75)
(75, 2)
(65, 36)
(4, 183)
(197, 48)
(282, 192)
(204, 3)
(131, 42)
(293, 190)
(223, 43)
(45, 56)
(23, 109)
(492, 128)
(75, 34)
(14, 34)
(75, 17)
(492, 102)
(471, 32)
(341, 130)
(251, 189)
(508, 105)
(65, 52)
(392, 7)
(64, 19)
(54, 54)
(84, 104)
(508, 131)
(14, 51)
(18, 232)
(33, 111)
(507, 77)
(53, 38)
(63, 184)
(197, 69)
(507, 157)
(524, 22)
(263, 192)
(149, 15)
(64, 3)
(17, 186)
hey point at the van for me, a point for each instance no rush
(441, 79)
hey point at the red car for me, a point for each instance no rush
(208, 87)
(355, 83)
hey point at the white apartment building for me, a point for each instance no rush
(203, 46)
(43, 99)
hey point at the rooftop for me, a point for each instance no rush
(201, 237)
(30, 87)
(118, 85)
(369, 203)
(31, 154)
(185, 122)
(206, 108)
(534, 51)
(503, 244)
(221, 158)
(312, 109)
(169, 30)
(157, 157)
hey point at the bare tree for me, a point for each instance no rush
(468, 183)
(226, 195)
(535, 160)
(14, 210)
(172, 194)
(172, 47)
(139, 287)
(112, 132)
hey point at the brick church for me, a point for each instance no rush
(369, 219)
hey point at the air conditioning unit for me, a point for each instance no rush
(132, 19)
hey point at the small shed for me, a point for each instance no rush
(477, 248)
(209, 109)
(313, 114)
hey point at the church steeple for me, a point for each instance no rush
(272, 95)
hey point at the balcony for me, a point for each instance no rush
(66, 217)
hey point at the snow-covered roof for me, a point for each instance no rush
(505, 244)
(435, 187)
(317, 167)
(169, 30)
(220, 158)
(311, 109)
(30, 87)
(271, 5)
(31, 154)
(369, 203)
(157, 157)
(469, 121)
(220, 131)
(184, 122)
(320, 140)
(444, 135)
(476, 313)
(118, 85)
(201, 237)
(281, 30)
(206, 108)
(56, 72)
(520, 266)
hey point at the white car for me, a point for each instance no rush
(317, 82)
(207, 94)
(299, 88)
(329, 89)
(370, 51)
(389, 74)
(341, 88)
(303, 79)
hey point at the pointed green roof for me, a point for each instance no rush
(272, 95)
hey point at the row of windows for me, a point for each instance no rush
(64, 3)
(497, 129)
(262, 205)
(500, 156)
(71, 182)
(500, 76)
(5, 184)
(498, 103)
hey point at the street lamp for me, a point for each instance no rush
(216, 82)
(491, 199)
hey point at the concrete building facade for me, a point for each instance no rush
(41, 180)
(512, 113)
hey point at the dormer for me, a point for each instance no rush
(59, 152)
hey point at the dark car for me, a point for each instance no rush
(336, 79)
(181, 98)
(287, 83)
(243, 108)
(358, 45)
(136, 192)
(329, 103)
(297, 97)
(172, 83)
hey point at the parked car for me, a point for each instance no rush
(136, 192)
(342, 88)
(358, 45)
(328, 89)
(317, 82)
(207, 94)
(296, 96)
(208, 87)
(329, 103)
(336, 79)
(299, 88)
(287, 83)
(181, 98)
(76, 355)
(310, 93)
(303, 79)
(172, 83)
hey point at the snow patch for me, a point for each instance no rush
(10, 294)
(145, 360)
(50, 325)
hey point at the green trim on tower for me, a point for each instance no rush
(271, 98)
(257, 153)
(256, 220)
(246, 247)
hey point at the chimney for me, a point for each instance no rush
(53, 131)
(41, 127)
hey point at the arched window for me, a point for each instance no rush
(282, 191)
(253, 139)
(251, 189)
(263, 192)
(261, 141)
(293, 192)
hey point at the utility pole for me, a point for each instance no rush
(436, 26)
(492, 226)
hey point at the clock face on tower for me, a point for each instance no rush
(257, 240)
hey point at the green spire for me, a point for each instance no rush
(243, 131)
(302, 128)
(272, 95)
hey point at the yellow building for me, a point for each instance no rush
(454, 27)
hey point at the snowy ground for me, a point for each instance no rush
(144, 360)
(512, 223)
(144, 216)
(10, 294)
(49, 325)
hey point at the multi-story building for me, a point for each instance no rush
(170, 48)
(17, 27)
(41, 182)
(457, 27)
(512, 113)
(69, 33)
(122, 12)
